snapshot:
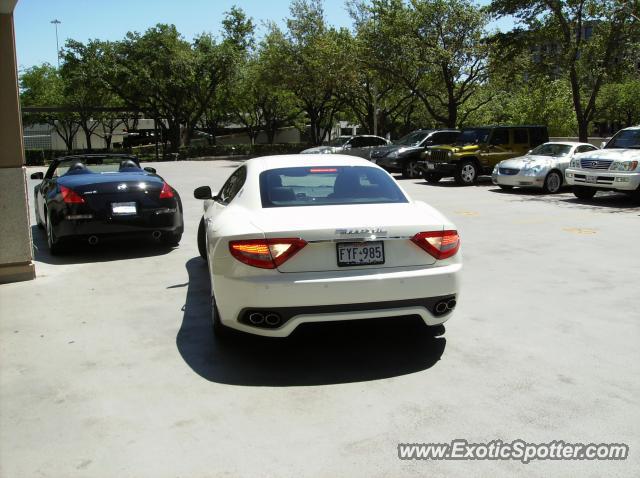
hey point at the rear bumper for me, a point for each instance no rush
(605, 180)
(68, 227)
(338, 296)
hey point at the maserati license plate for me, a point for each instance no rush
(124, 208)
(360, 253)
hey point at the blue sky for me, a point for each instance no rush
(112, 19)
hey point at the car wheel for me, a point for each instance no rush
(552, 183)
(410, 169)
(584, 192)
(220, 330)
(432, 178)
(55, 247)
(505, 187)
(202, 240)
(170, 239)
(467, 173)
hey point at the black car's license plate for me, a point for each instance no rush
(360, 253)
(124, 208)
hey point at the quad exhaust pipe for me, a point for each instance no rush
(267, 319)
(93, 240)
(445, 306)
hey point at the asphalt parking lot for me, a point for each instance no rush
(108, 366)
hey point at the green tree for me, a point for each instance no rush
(435, 48)
(314, 64)
(43, 86)
(589, 37)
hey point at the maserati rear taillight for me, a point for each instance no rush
(166, 192)
(266, 253)
(439, 244)
(70, 196)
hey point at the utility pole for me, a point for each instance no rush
(57, 22)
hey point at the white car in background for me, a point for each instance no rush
(542, 167)
(295, 239)
(616, 167)
(360, 145)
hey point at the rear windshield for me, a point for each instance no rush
(318, 186)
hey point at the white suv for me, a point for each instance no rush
(616, 167)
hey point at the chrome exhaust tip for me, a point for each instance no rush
(451, 304)
(272, 319)
(256, 318)
(156, 235)
(441, 307)
(93, 240)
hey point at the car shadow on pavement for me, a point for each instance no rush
(610, 202)
(80, 252)
(483, 181)
(316, 354)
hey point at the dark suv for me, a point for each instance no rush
(403, 155)
(477, 150)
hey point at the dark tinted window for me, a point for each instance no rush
(500, 136)
(538, 136)
(233, 185)
(358, 142)
(325, 185)
(473, 136)
(377, 142)
(520, 136)
(629, 138)
(585, 148)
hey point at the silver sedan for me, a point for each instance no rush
(542, 167)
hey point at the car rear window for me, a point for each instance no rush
(324, 185)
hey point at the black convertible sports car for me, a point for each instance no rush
(90, 197)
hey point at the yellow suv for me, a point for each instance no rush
(477, 150)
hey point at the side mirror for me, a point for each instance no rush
(347, 146)
(602, 145)
(150, 169)
(529, 152)
(38, 175)
(203, 192)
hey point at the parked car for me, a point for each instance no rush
(296, 239)
(616, 167)
(542, 167)
(90, 197)
(478, 150)
(360, 145)
(403, 155)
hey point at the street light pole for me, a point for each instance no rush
(57, 22)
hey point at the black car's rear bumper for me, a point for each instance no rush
(163, 220)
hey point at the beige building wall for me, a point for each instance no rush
(15, 231)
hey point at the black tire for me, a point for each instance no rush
(410, 169)
(467, 173)
(202, 240)
(171, 239)
(505, 187)
(432, 178)
(553, 182)
(584, 192)
(54, 244)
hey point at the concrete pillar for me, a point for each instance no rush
(16, 259)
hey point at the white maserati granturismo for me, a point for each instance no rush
(299, 238)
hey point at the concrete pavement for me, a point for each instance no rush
(108, 367)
